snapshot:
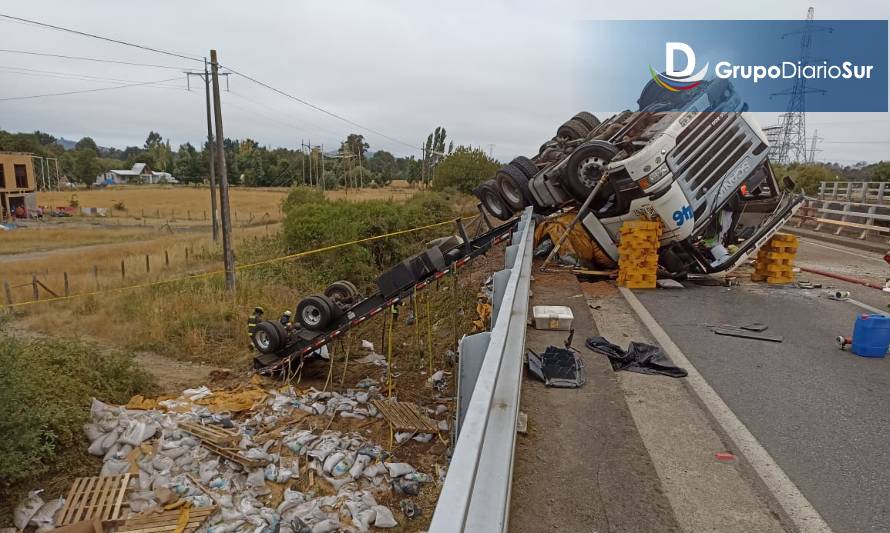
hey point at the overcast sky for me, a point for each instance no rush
(499, 73)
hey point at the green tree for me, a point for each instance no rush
(433, 151)
(880, 171)
(464, 169)
(86, 142)
(85, 165)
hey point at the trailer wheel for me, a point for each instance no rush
(525, 165)
(342, 292)
(588, 119)
(315, 312)
(265, 337)
(491, 199)
(585, 167)
(573, 129)
(513, 185)
(283, 336)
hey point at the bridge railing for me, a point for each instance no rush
(865, 192)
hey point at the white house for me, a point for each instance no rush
(140, 173)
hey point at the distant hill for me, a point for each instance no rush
(66, 144)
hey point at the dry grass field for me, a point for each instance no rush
(183, 203)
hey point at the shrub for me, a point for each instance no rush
(45, 391)
(326, 223)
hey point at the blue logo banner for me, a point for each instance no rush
(758, 65)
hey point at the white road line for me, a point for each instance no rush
(796, 506)
(866, 306)
(857, 254)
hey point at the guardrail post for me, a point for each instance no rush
(870, 221)
(471, 353)
(865, 187)
(499, 286)
(8, 290)
(881, 187)
(843, 219)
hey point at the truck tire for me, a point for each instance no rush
(585, 166)
(265, 337)
(573, 129)
(283, 337)
(490, 196)
(342, 293)
(513, 185)
(588, 119)
(315, 312)
(525, 165)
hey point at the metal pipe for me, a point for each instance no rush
(842, 278)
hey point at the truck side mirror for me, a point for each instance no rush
(788, 183)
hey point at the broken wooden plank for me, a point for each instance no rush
(214, 434)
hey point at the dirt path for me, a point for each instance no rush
(172, 375)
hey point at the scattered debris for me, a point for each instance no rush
(747, 334)
(725, 457)
(843, 341)
(409, 508)
(553, 317)
(557, 367)
(639, 357)
(522, 423)
(805, 284)
(250, 458)
(838, 295)
(668, 283)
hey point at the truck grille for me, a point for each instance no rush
(707, 150)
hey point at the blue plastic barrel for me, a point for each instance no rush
(871, 335)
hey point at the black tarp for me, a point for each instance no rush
(639, 357)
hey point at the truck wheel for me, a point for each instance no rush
(341, 292)
(315, 312)
(283, 337)
(525, 165)
(585, 167)
(573, 129)
(491, 199)
(513, 185)
(265, 337)
(588, 119)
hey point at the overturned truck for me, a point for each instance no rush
(695, 160)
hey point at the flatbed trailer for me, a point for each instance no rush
(303, 342)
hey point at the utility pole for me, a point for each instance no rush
(211, 156)
(322, 167)
(228, 255)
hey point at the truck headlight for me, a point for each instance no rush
(655, 176)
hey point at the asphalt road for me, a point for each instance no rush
(823, 414)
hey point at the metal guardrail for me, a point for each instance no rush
(863, 219)
(476, 492)
(854, 191)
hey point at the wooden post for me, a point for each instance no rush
(147, 264)
(166, 258)
(228, 253)
(67, 291)
(96, 276)
(186, 255)
(123, 270)
(158, 213)
(8, 292)
(34, 286)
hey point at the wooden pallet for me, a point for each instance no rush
(94, 497)
(406, 416)
(190, 519)
(214, 434)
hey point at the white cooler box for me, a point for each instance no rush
(558, 317)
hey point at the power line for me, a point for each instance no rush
(71, 76)
(10, 98)
(101, 38)
(321, 109)
(94, 59)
